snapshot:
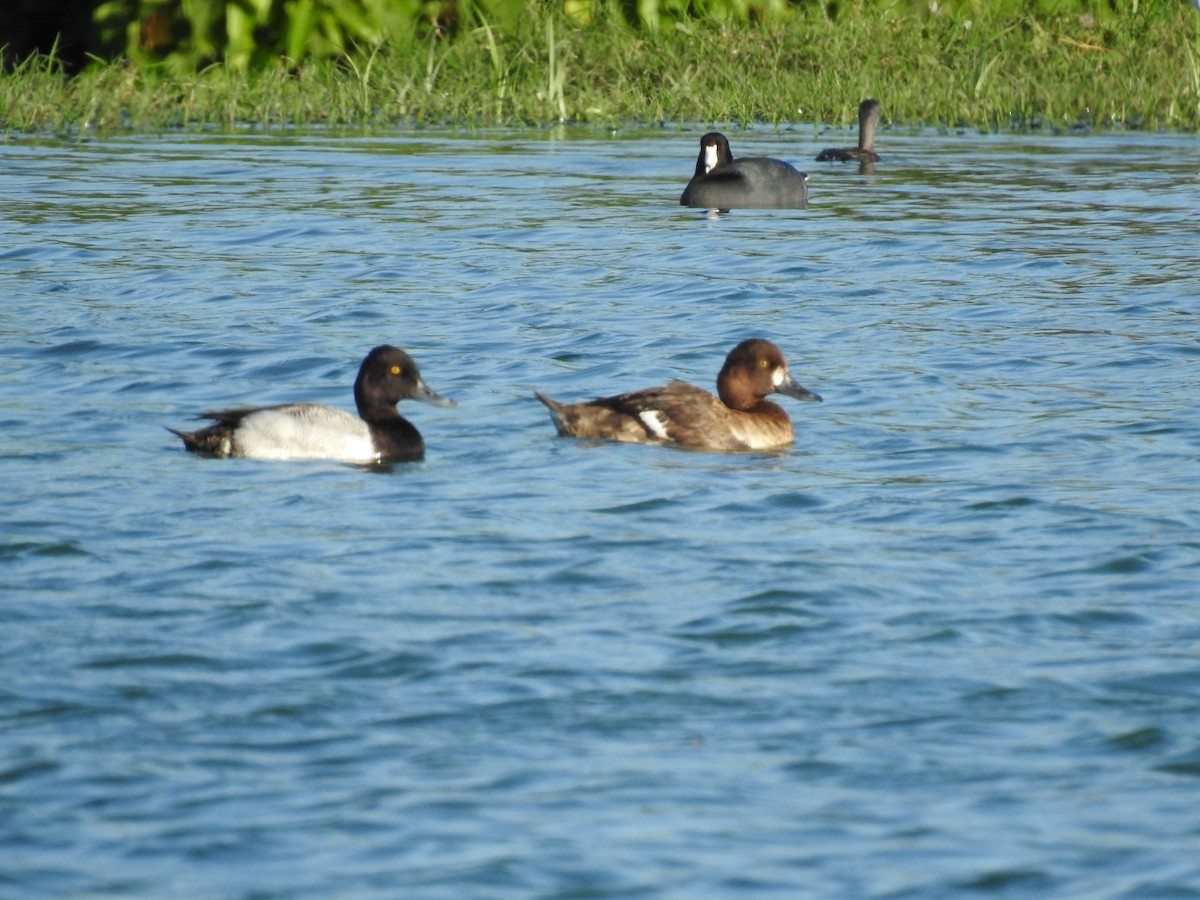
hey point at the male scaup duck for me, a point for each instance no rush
(868, 118)
(687, 416)
(378, 434)
(722, 182)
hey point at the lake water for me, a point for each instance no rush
(948, 644)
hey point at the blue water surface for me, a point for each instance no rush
(949, 644)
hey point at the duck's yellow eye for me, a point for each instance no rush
(396, 370)
(762, 363)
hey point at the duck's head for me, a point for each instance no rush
(753, 369)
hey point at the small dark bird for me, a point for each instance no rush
(868, 117)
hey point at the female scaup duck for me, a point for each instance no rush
(378, 434)
(868, 118)
(685, 415)
(721, 182)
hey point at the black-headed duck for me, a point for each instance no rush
(868, 117)
(722, 182)
(378, 434)
(688, 416)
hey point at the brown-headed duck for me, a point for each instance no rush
(378, 434)
(868, 117)
(722, 182)
(684, 415)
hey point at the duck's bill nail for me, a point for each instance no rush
(427, 395)
(792, 389)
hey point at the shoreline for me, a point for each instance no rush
(1018, 74)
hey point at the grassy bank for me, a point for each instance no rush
(1136, 70)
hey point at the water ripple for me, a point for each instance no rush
(905, 658)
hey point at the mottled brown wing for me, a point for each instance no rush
(680, 413)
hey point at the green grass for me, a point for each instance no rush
(1014, 71)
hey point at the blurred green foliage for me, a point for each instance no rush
(243, 34)
(187, 35)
